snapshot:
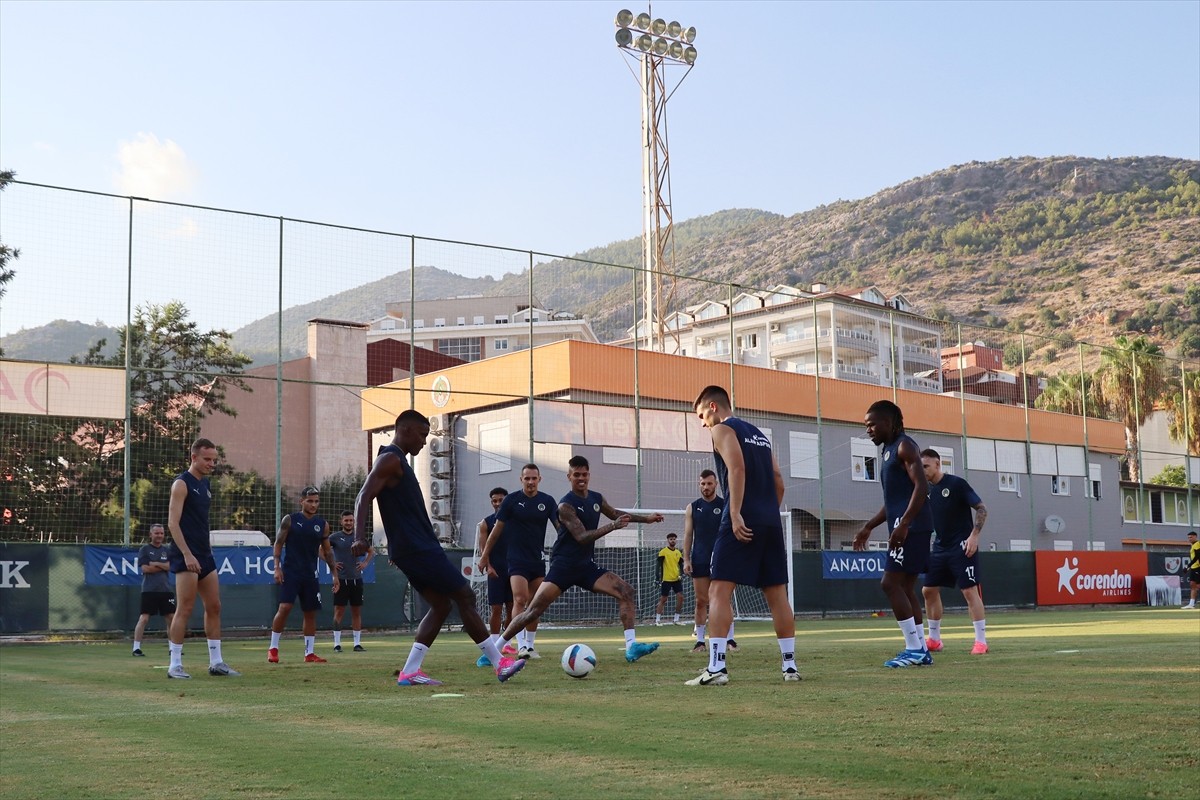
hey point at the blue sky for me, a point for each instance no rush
(517, 124)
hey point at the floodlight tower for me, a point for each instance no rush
(656, 44)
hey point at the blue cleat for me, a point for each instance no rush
(639, 649)
(483, 661)
(909, 658)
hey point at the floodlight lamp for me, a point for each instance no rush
(674, 29)
(645, 42)
(689, 56)
(642, 21)
(689, 35)
(676, 51)
(660, 47)
(624, 37)
(624, 18)
(658, 27)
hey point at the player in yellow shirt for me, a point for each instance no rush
(669, 560)
(1193, 567)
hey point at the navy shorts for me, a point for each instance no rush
(499, 588)
(528, 571)
(160, 603)
(761, 562)
(950, 566)
(349, 593)
(912, 557)
(701, 565)
(304, 587)
(430, 571)
(565, 574)
(671, 586)
(208, 563)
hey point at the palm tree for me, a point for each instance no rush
(1183, 412)
(1063, 393)
(1129, 382)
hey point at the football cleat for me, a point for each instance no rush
(508, 650)
(273, 655)
(177, 672)
(483, 661)
(337, 648)
(524, 653)
(417, 678)
(313, 658)
(639, 649)
(358, 648)
(790, 674)
(909, 658)
(138, 652)
(509, 667)
(700, 647)
(979, 649)
(223, 670)
(732, 646)
(934, 645)
(707, 678)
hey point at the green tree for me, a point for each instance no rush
(1129, 381)
(1172, 475)
(1183, 412)
(1068, 392)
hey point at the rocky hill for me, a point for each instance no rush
(1064, 248)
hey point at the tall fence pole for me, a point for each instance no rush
(127, 522)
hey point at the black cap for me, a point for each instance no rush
(309, 491)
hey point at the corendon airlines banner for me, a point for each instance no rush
(1082, 576)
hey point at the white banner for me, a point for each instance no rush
(61, 390)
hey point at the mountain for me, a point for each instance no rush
(57, 341)
(1064, 248)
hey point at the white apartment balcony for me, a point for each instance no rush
(922, 384)
(860, 341)
(915, 353)
(794, 342)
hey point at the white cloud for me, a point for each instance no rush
(153, 169)
(44, 147)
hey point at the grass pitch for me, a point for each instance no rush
(1079, 703)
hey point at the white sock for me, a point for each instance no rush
(787, 648)
(935, 629)
(357, 637)
(337, 638)
(700, 633)
(491, 650)
(677, 619)
(214, 652)
(275, 640)
(657, 618)
(416, 657)
(530, 636)
(730, 636)
(716, 654)
(310, 644)
(176, 651)
(137, 645)
(522, 640)
(980, 628)
(912, 639)
(630, 638)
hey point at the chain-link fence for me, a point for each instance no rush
(132, 326)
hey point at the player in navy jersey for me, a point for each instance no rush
(701, 520)
(749, 548)
(499, 589)
(350, 576)
(521, 522)
(572, 563)
(301, 538)
(414, 548)
(910, 526)
(192, 561)
(953, 559)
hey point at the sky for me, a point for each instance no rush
(518, 124)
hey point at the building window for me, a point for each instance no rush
(462, 320)
(495, 447)
(502, 319)
(1009, 482)
(1092, 487)
(478, 320)
(439, 322)
(863, 458)
(1060, 485)
(499, 345)
(418, 323)
(468, 348)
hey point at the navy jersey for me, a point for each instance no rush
(950, 502)
(898, 488)
(193, 519)
(588, 510)
(499, 554)
(341, 543)
(154, 581)
(760, 505)
(525, 519)
(402, 509)
(706, 520)
(303, 544)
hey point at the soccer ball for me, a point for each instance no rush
(578, 660)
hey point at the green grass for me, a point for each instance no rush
(1082, 703)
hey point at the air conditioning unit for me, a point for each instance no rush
(440, 466)
(440, 445)
(774, 327)
(444, 529)
(437, 423)
(440, 488)
(440, 509)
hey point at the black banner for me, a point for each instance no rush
(24, 588)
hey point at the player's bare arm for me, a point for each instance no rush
(285, 527)
(726, 444)
(570, 520)
(485, 554)
(613, 513)
(385, 472)
(179, 493)
(327, 554)
(971, 545)
(687, 540)
(860, 538)
(778, 481)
